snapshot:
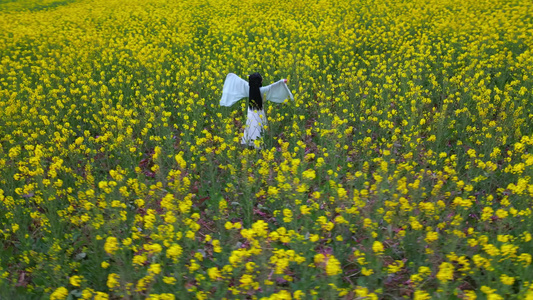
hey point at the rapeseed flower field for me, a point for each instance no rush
(403, 169)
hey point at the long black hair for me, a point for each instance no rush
(255, 101)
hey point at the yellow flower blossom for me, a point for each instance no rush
(111, 245)
(377, 247)
(445, 273)
(75, 280)
(112, 280)
(59, 294)
(421, 295)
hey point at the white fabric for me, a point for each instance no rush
(276, 92)
(255, 121)
(236, 88)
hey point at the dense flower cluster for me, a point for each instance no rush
(402, 169)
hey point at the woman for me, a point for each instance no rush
(236, 88)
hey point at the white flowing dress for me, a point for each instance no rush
(255, 122)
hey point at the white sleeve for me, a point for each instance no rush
(277, 92)
(235, 88)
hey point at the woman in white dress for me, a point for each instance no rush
(236, 88)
